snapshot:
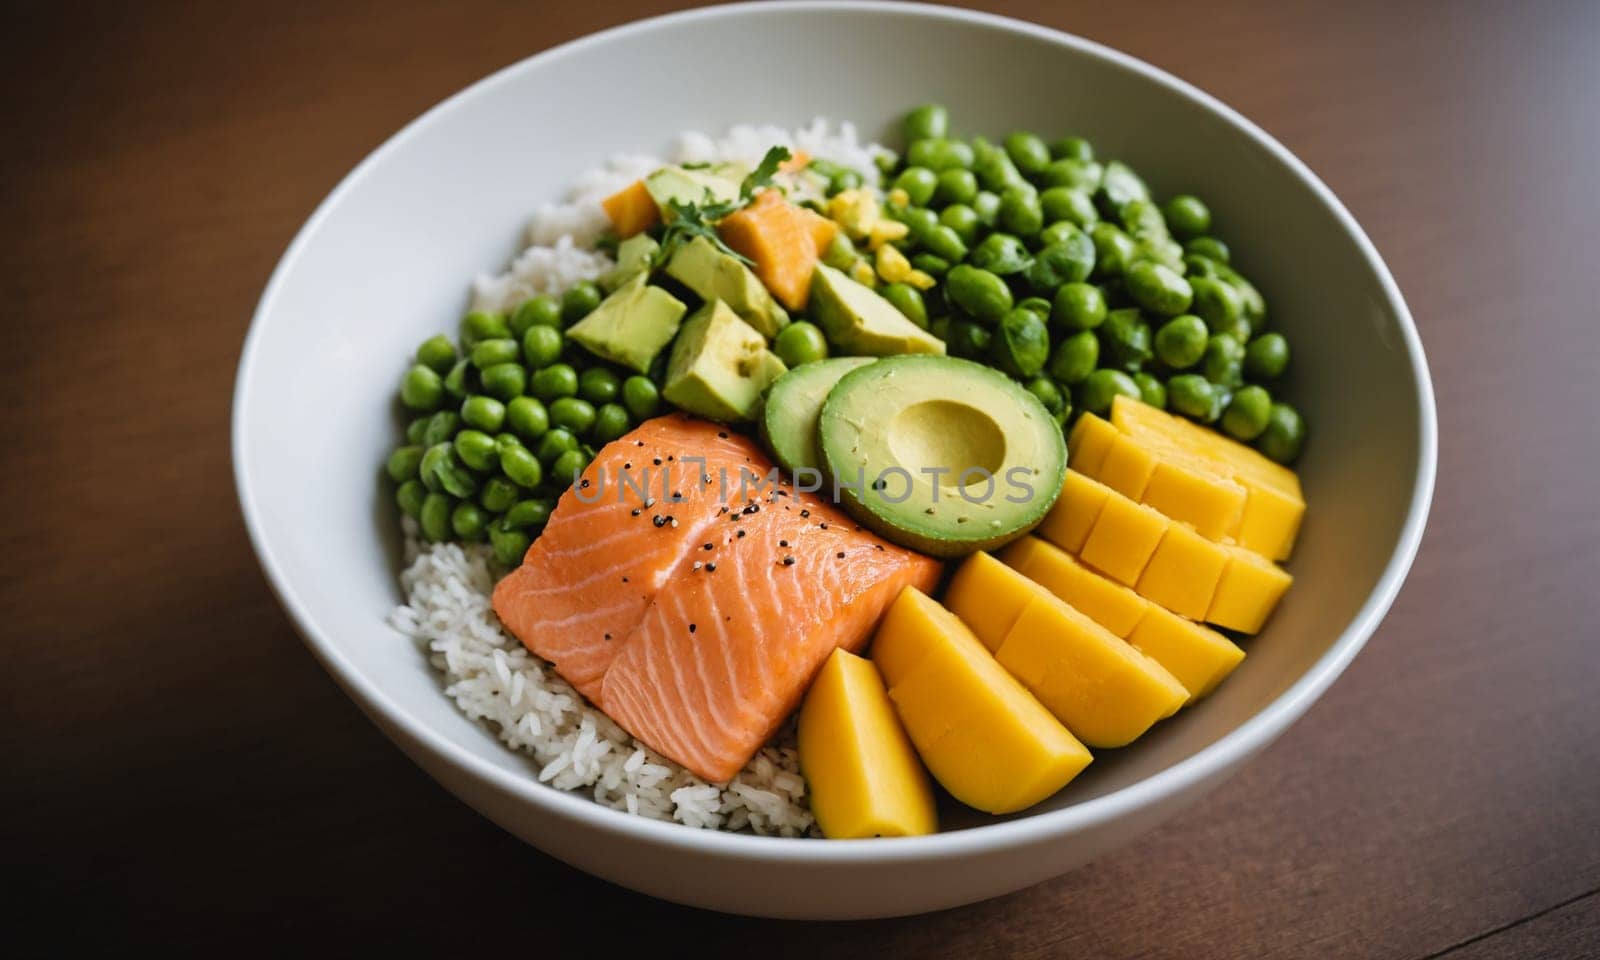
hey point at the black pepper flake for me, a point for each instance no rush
(583, 484)
(753, 508)
(723, 434)
(739, 534)
(840, 554)
(627, 466)
(708, 547)
(624, 579)
(783, 543)
(659, 520)
(635, 511)
(710, 567)
(638, 443)
(788, 561)
(823, 525)
(677, 497)
(608, 636)
(691, 628)
(805, 513)
(656, 461)
(878, 547)
(669, 457)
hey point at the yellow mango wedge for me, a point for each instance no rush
(860, 768)
(1197, 656)
(982, 736)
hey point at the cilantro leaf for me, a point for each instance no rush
(762, 175)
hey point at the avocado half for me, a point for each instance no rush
(939, 454)
(793, 405)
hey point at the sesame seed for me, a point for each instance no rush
(697, 565)
(674, 521)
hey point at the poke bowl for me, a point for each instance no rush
(608, 277)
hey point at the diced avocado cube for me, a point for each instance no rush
(720, 365)
(632, 325)
(715, 275)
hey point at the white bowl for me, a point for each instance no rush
(385, 261)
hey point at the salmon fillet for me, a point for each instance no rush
(586, 581)
(699, 636)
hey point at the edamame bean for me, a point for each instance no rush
(968, 340)
(579, 300)
(437, 353)
(1039, 305)
(955, 185)
(938, 154)
(1143, 221)
(841, 253)
(529, 513)
(1197, 266)
(542, 310)
(441, 427)
(1151, 390)
(441, 471)
(1078, 306)
(1284, 436)
(1217, 303)
(885, 160)
(504, 381)
(1223, 362)
(1072, 148)
(1247, 413)
(1075, 357)
(978, 291)
(1113, 249)
(1266, 357)
(416, 430)
(409, 496)
(987, 206)
(498, 494)
(482, 325)
(610, 422)
(843, 180)
(1181, 341)
(599, 385)
(509, 546)
(800, 342)
(554, 381)
(1126, 339)
(1195, 397)
(1069, 260)
(1103, 386)
(642, 398)
(421, 388)
(507, 441)
(1027, 152)
(1158, 288)
(934, 266)
(1188, 216)
(929, 121)
(485, 413)
(1067, 172)
(918, 221)
(1068, 204)
(943, 242)
(963, 220)
(488, 353)
(476, 449)
(919, 183)
(568, 466)
(571, 413)
(521, 467)
(468, 521)
(1209, 247)
(1000, 254)
(994, 167)
(1022, 343)
(1020, 212)
(555, 442)
(403, 463)
(434, 516)
(1117, 185)
(908, 300)
(1047, 393)
(461, 380)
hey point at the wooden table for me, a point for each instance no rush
(177, 769)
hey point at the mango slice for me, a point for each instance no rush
(1088, 443)
(1183, 572)
(1247, 591)
(1123, 539)
(1197, 656)
(861, 771)
(980, 733)
(988, 597)
(1068, 523)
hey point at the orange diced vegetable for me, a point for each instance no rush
(797, 161)
(821, 229)
(632, 210)
(780, 241)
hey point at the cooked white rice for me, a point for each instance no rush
(488, 673)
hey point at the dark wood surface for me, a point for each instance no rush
(177, 769)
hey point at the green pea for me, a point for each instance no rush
(521, 467)
(1181, 341)
(843, 180)
(485, 413)
(482, 325)
(1188, 216)
(934, 266)
(1247, 413)
(1048, 394)
(410, 496)
(461, 380)
(1151, 390)
(469, 521)
(610, 422)
(956, 186)
(885, 160)
(1223, 362)
(978, 291)
(1021, 344)
(1078, 306)
(800, 342)
(641, 396)
(968, 340)
(1075, 357)
(529, 513)
(1195, 397)
(488, 353)
(944, 242)
(1118, 184)
(1103, 386)
(1057, 232)
(437, 353)
(1158, 288)
(498, 494)
(1028, 152)
(403, 463)
(579, 301)
(1067, 172)
(987, 206)
(1069, 204)
(918, 221)
(908, 300)
(568, 466)
(938, 154)
(963, 220)
(1020, 212)
(1217, 303)
(1001, 254)
(539, 311)
(505, 380)
(1039, 305)
(929, 121)
(1284, 436)
(919, 183)
(509, 546)
(1113, 249)
(417, 429)
(1195, 265)
(940, 327)
(841, 253)
(1208, 247)
(1069, 260)
(476, 449)
(1266, 357)
(573, 414)
(421, 388)
(554, 443)
(541, 346)
(1126, 339)
(437, 428)
(1072, 148)
(434, 516)
(599, 385)
(557, 380)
